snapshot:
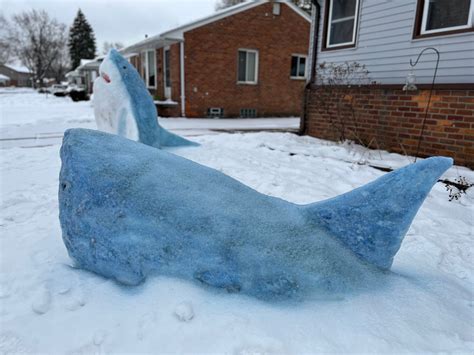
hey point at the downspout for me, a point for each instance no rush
(183, 91)
(314, 60)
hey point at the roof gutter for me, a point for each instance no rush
(314, 60)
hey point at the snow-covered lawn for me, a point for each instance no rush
(425, 305)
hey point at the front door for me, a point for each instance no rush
(167, 72)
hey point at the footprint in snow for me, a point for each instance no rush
(68, 288)
(184, 312)
(42, 301)
(75, 299)
(146, 321)
(99, 337)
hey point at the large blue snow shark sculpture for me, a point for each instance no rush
(128, 211)
(123, 105)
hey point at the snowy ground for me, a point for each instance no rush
(427, 304)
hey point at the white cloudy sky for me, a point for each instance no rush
(126, 21)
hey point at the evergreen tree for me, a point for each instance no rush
(81, 40)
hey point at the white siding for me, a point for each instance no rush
(384, 44)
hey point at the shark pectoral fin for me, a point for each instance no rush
(372, 220)
(218, 278)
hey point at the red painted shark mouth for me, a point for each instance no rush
(105, 77)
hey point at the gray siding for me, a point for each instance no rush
(384, 44)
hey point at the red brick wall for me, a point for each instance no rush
(392, 119)
(211, 63)
(158, 93)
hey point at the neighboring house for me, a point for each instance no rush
(19, 76)
(75, 78)
(85, 74)
(245, 61)
(4, 80)
(384, 36)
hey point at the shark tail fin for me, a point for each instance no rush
(168, 139)
(372, 220)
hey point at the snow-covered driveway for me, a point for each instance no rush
(46, 306)
(31, 120)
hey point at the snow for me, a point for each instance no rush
(425, 305)
(18, 68)
(184, 312)
(4, 77)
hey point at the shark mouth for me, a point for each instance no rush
(105, 77)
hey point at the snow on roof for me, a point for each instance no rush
(177, 32)
(73, 74)
(4, 77)
(90, 63)
(18, 68)
(85, 61)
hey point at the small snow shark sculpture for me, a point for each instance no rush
(123, 105)
(128, 211)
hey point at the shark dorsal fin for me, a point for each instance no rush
(372, 220)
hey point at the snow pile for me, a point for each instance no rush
(426, 304)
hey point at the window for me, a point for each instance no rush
(151, 82)
(437, 16)
(148, 68)
(167, 69)
(248, 66)
(215, 112)
(341, 23)
(276, 8)
(248, 113)
(298, 67)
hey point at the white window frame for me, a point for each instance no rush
(255, 82)
(299, 56)
(146, 70)
(330, 22)
(424, 21)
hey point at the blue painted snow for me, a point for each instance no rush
(143, 107)
(128, 211)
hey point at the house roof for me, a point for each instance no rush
(73, 73)
(90, 64)
(177, 34)
(18, 68)
(4, 77)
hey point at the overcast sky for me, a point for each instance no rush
(125, 21)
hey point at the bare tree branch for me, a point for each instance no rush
(37, 40)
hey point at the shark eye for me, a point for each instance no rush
(125, 67)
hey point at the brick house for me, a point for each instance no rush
(384, 36)
(19, 76)
(245, 61)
